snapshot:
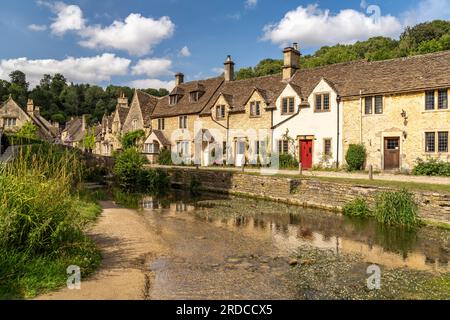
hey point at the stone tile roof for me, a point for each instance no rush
(380, 77)
(238, 92)
(161, 137)
(123, 112)
(148, 104)
(184, 105)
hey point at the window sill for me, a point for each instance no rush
(436, 111)
(287, 113)
(255, 117)
(321, 111)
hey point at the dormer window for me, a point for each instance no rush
(173, 99)
(255, 109)
(220, 112)
(195, 96)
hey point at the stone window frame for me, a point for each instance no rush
(220, 112)
(330, 140)
(10, 122)
(442, 104)
(195, 96)
(253, 113)
(430, 142)
(283, 146)
(375, 109)
(183, 122)
(322, 96)
(173, 99)
(134, 124)
(288, 105)
(152, 148)
(161, 124)
(442, 146)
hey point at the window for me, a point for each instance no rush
(327, 147)
(134, 124)
(220, 112)
(152, 148)
(443, 99)
(429, 100)
(443, 141)
(173, 99)
(161, 124)
(260, 147)
(430, 142)
(378, 104)
(288, 105)
(322, 102)
(10, 122)
(183, 122)
(255, 110)
(368, 105)
(240, 147)
(224, 148)
(194, 96)
(283, 146)
(183, 148)
(392, 144)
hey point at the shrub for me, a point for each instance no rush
(132, 139)
(397, 208)
(355, 157)
(357, 208)
(431, 167)
(165, 157)
(128, 166)
(288, 161)
(154, 181)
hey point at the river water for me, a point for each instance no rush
(224, 247)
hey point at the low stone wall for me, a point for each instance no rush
(305, 192)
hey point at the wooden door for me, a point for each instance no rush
(306, 147)
(391, 153)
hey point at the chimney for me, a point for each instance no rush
(36, 110)
(122, 100)
(229, 69)
(291, 61)
(56, 124)
(179, 79)
(83, 122)
(30, 106)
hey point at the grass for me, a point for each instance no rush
(42, 218)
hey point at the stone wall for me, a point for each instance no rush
(305, 192)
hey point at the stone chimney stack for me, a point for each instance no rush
(179, 79)
(229, 69)
(56, 124)
(291, 61)
(83, 122)
(36, 110)
(122, 100)
(30, 106)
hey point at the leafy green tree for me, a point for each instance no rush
(19, 87)
(28, 131)
(89, 140)
(132, 139)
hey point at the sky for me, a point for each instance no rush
(143, 43)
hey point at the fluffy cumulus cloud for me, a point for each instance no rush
(136, 34)
(426, 10)
(185, 52)
(152, 83)
(311, 26)
(87, 69)
(68, 17)
(153, 67)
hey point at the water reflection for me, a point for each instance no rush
(289, 227)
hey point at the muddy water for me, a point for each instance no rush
(234, 248)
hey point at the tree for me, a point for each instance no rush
(132, 139)
(19, 87)
(28, 131)
(89, 140)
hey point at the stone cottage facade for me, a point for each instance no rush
(397, 108)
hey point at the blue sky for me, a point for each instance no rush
(143, 42)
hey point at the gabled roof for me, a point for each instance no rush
(239, 91)
(380, 77)
(161, 137)
(148, 104)
(123, 112)
(184, 106)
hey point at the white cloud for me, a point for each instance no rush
(152, 83)
(311, 26)
(426, 10)
(185, 52)
(68, 17)
(217, 70)
(251, 3)
(37, 27)
(153, 67)
(137, 34)
(87, 69)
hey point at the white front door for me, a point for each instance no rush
(240, 153)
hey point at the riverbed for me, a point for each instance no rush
(221, 247)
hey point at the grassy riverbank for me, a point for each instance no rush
(42, 219)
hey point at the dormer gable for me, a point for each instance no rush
(176, 95)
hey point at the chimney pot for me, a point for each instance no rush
(291, 61)
(179, 79)
(83, 122)
(229, 69)
(30, 106)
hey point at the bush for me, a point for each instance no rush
(165, 157)
(431, 167)
(397, 208)
(128, 166)
(356, 156)
(357, 208)
(132, 139)
(154, 181)
(288, 161)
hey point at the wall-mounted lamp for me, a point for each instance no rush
(405, 135)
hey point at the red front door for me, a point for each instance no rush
(306, 147)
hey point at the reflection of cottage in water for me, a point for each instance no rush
(152, 203)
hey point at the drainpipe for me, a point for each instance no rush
(338, 142)
(360, 116)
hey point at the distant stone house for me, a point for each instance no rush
(13, 118)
